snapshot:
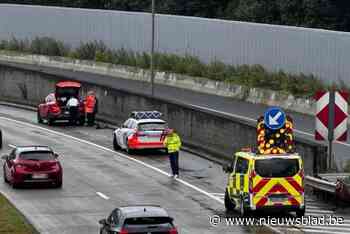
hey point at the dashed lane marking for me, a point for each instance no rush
(102, 195)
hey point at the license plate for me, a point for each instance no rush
(150, 139)
(277, 199)
(39, 176)
(67, 112)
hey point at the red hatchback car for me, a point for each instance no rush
(32, 164)
(54, 107)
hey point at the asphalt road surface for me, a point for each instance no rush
(304, 124)
(96, 180)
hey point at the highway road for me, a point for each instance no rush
(304, 124)
(96, 180)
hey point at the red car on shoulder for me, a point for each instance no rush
(32, 164)
(54, 108)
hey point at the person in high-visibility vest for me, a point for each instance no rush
(91, 108)
(172, 142)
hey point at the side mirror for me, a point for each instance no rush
(5, 157)
(56, 155)
(102, 222)
(227, 168)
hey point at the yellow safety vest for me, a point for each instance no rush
(172, 143)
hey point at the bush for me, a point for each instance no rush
(48, 46)
(251, 76)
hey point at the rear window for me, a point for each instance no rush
(152, 126)
(276, 167)
(37, 156)
(148, 221)
(67, 92)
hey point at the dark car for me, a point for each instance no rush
(138, 219)
(32, 164)
(54, 107)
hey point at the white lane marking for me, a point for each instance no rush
(12, 146)
(254, 120)
(102, 195)
(117, 153)
(310, 230)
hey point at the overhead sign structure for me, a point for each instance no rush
(331, 116)
(274, 118)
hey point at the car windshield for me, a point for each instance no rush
(67, 92)
(148, 221)
(151, 126)
(37, 156)
(277, 167)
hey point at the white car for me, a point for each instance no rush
(143, 130)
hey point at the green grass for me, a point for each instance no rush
(254, 76)
(11, 220)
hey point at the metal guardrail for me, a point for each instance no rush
(320, 184)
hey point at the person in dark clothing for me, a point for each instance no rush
(73, 107)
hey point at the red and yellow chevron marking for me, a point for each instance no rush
(291, 186)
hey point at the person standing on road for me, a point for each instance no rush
(73, 107)
(172, 142)
(91, 108)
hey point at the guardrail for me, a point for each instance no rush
(320, 184)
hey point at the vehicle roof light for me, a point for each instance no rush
(145, 114)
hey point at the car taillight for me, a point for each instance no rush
(54, 108)
(123, 231)
(173, 231)
(137, 135)
(21, 166)
(55, 166)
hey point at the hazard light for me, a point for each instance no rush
(275, 141)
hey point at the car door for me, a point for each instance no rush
(132, 124)
(232, 178)
(241, 171)
(44, 107)
(120, 133)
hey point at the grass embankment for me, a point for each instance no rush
(299, 85)
(11, 220)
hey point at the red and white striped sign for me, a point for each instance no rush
(340, 116)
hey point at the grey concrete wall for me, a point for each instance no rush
(202, 130)
(296, 50)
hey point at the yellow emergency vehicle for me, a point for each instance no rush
(257, 182)
(271, 178)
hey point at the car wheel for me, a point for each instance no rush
(243, 210)
(58, 184)
(130, 151)
(229, 205)
(50, 122)
(14, 185)
(40, 120)
(115, 144)
(5, 179)
(300, 213)
(0, 139)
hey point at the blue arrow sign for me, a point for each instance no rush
(274, 118)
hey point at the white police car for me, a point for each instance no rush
(143, 130)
